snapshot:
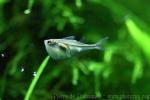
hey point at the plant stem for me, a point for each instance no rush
(36, 78)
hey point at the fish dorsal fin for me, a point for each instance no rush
(69, 37)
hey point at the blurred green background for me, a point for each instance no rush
(120, 72)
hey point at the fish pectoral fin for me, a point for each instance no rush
(68, 52)
(69, 37)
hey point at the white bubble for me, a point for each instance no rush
(2, 55)
(27, 11)
(34, 73)
(22, 69)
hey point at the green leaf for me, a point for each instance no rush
(140, 36)
(36, 78)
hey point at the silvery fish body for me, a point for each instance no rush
(67, 47)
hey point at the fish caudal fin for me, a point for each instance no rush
(99, 44)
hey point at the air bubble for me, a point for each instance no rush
(2, 55)
(34, 73)
(27, 11)
(22, 69)
(29, 8)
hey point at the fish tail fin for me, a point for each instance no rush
(99, 44)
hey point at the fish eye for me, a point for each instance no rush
(49, 42)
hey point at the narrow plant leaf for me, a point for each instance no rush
(36, 78)
(138, 71)
(140, 37)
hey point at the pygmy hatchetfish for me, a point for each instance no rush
(68, 46)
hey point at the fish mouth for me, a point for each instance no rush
(45, 42)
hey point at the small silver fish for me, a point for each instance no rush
(68, 46)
